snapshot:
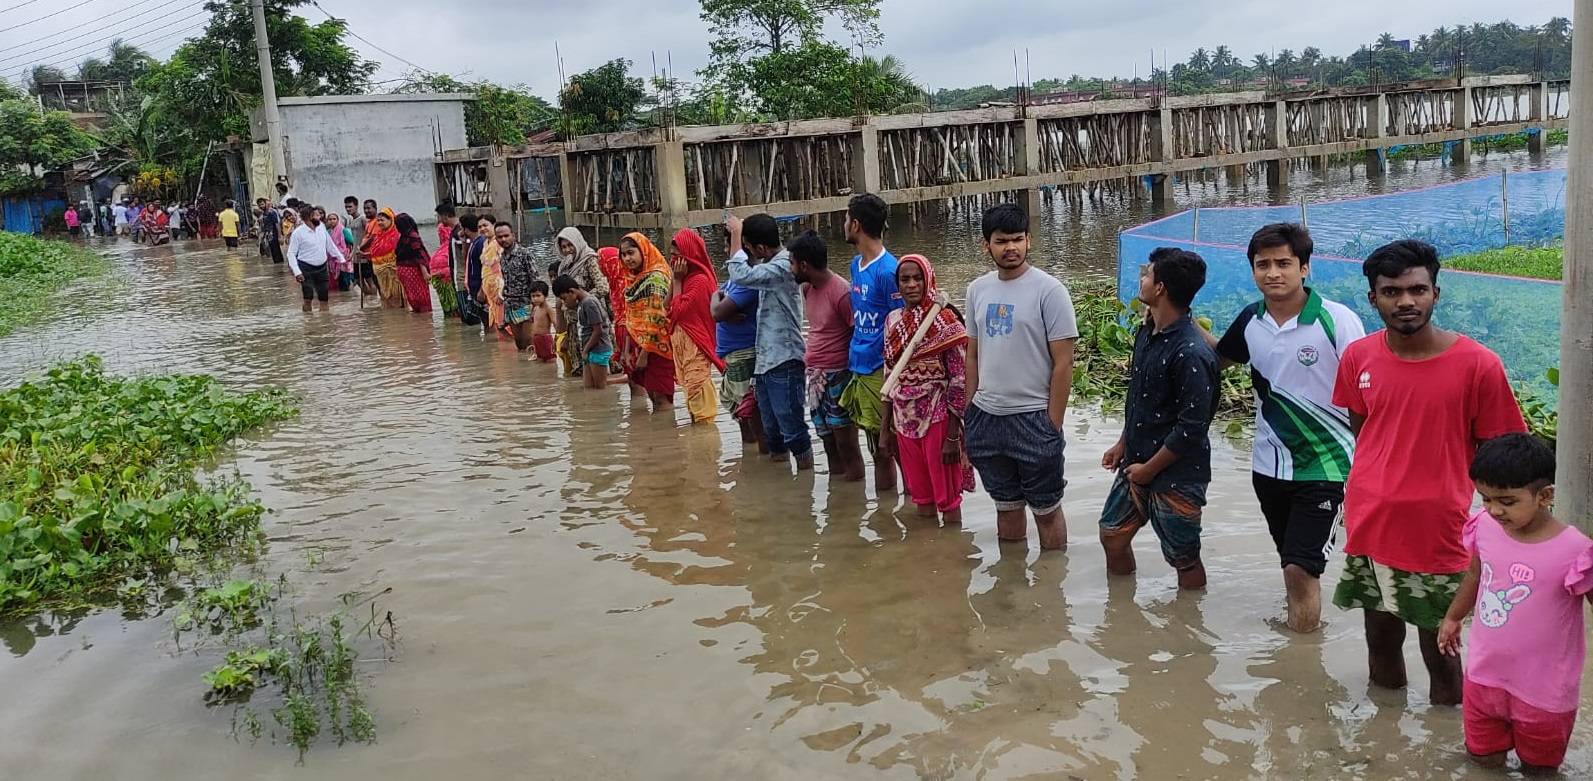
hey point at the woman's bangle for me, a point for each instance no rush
(949, 439)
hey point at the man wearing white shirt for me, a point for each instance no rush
(309, 249)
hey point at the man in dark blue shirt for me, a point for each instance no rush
(1163, 458)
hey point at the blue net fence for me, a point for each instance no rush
(1517, 318)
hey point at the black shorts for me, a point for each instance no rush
(232, 241)
(1303, 517)
(316, 280)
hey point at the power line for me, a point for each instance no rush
(108, 18)
(123, 33)
(46, 16)
(350, 31)
(18, 5)
(148, 43)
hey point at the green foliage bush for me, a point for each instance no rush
(98, 478)
(31, 272)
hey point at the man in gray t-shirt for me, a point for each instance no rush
(1021, 327)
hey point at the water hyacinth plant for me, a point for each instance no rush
(99, 482)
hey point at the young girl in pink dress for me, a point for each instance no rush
(1529, 576)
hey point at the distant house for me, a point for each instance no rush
(89, 102)
(371, 146)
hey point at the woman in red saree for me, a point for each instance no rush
(608, 262)
(923, 420)
(413, 263)
(651, 357)
(691, 317)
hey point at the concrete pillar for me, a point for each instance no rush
(1461, 152)
(1539, 95)
(1376, 128)
(498, 187)
(865, 160)
(1162, 151)
(669, 166)
(1574, 451)
(567, 189)
(1278, 133)
(1026, 156)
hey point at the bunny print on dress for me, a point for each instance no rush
(1493, 607)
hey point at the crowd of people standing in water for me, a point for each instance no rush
(152, 221)
(1386, 438)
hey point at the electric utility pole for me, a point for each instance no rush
(268, 94)
(1574, 472)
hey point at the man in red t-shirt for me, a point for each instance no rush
(1420, 401)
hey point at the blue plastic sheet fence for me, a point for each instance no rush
(1517, 318)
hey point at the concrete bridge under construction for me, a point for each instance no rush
(692, 175)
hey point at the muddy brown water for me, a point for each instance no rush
(586, 590)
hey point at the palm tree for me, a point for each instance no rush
(1200, 60)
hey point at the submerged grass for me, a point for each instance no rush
(300, 670)
(1534, 262)
(99, 483)
(33, 271)
(1105, 346)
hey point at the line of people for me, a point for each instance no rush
(153, 222)
(1389, 436)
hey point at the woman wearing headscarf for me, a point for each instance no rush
(491, 276)
(579, 261)
(651, 364)
(441, 265)
(412, 260)
(691, 315)
(381, 241)
(342, 238)
(923, 419)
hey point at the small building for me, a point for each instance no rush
(370, 146)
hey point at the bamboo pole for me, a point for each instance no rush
(912, 346)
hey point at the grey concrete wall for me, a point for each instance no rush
(371, 147)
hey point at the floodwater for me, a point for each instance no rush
(586, 590)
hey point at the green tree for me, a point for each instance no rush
(210, 84)
(742, 29)
(818, 79)
(123, 62)
(498, 115)
(32, 142)
(44, 74)
(601, 100)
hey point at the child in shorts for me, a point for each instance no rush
(1529, 575)
(541, 322)
(592, 328)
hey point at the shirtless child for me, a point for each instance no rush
(541, 322)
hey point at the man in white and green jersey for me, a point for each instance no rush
(1292, 339)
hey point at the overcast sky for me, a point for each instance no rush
(944, 44)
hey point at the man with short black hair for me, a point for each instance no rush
(310, 248)
(1163, 457)
(519, 271)
(1292, 339)
(874, 297)
(827, 302)
(1420, 400)
(1021, 330)
(270, 229)
(779, 374)
(228, 219)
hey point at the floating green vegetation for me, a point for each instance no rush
(99, 483)
(33, 270)
(1506, 142)
(1540, 409)
(300, 670)
(1535, 262)
(1106, 344)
